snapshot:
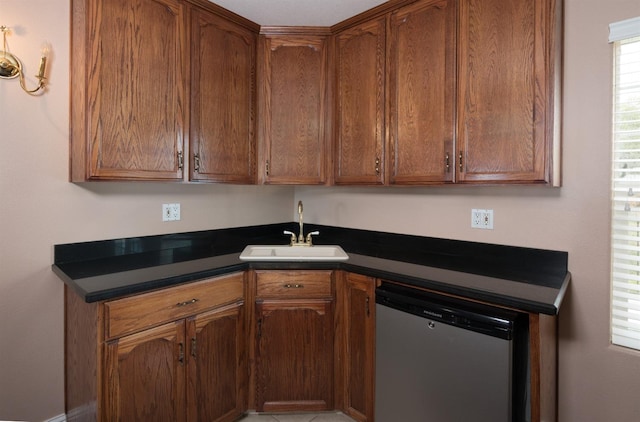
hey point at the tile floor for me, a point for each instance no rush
(297, 417)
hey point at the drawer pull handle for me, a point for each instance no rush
(293, 286)
(189, 302)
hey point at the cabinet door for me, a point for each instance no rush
(217, 365)
(294, 357)
(505, 90)
(356, 298)
(422, 92)
(135, 91)
(293, 115)
(360, 92)
(222, 100)
(145, 376)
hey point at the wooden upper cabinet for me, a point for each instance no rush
(222, 100)
(359, 152)
(508, 76)
(128, 91)
(422, 40)
(293, 108)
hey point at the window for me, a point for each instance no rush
(625, 214)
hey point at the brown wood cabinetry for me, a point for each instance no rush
(144, 375)
(421, 103)
(294, 341)
(174, 354)
(359, 153)
(128, 93)
(134, 65)
(223, 101)
(422, 92)
(507, 90)
(355, 345)
(471, 94)
(293, 87)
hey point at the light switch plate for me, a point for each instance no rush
(170, 212)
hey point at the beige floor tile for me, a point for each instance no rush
(258, 418)
(332, 417)
(297, 417)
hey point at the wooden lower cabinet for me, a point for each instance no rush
(195, 352)
(217, 373)
(294, 341)
(177, 354)
(355, 345)
(144, 375)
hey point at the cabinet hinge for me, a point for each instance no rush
(193, 347)
(446, 163)
(181, 353)
(367, 304)
(266, 167)
(460, 161)
(259, 330)
(377, 166)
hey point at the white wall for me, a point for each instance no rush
(39, 208)
(597, 382)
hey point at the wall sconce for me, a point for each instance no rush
(11, 67)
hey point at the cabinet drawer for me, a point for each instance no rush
(288, 284)
(146, 310)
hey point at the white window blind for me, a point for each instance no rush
(625, 216)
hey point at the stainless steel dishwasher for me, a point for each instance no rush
(440, 359)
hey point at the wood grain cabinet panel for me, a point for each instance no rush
(355, 345)
(128, 95)
(217, 372)
(359, 152)
(144, 375)
(222, 129)
(293, 109)
(508, 65)
(294, 343)
(176, 364)
(444, 91)
(421, 67)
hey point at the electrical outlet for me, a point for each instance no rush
(170, 212)
(482, 219)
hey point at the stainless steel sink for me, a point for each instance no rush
(293, 253)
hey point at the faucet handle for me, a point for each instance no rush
(293, 236)
(309, 236)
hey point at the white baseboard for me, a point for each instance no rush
(59, 418)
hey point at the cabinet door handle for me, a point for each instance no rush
(181, 353)
(180, 160)
(188, 302)
(293, 286)
(196, 163)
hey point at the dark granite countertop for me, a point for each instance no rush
(532, 280)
